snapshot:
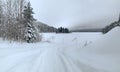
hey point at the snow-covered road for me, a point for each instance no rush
(63, 53)
(41, 60)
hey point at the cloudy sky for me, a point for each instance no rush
(75, 13)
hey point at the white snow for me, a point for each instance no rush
(74, 52)
(105, 52)
(76, 40)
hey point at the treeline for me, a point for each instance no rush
(44, 28)
(47, 29)
(111, 26)
(62, 30)
(16, 21)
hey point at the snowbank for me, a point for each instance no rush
(104, 53)
(59, 55)
(109, 43)
(64, 53)
(56, 55)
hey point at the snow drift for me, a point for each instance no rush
(102, 55)
(109, 43)
(105, 52)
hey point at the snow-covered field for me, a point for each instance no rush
(73, 40)
(74, 52)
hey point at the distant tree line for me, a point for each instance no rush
(48, 29)
(62, 30)
(111, 26)
(16, 21)
(44, 28)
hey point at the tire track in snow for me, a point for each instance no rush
(18, 58)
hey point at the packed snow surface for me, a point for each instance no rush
(74, 52)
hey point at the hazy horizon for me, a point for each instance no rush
(76, 13)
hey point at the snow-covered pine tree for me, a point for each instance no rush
(31, 34)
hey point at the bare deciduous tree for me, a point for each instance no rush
(12, 25)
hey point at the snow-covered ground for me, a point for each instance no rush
(74, 52)
(73, 40)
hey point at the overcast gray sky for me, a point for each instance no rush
(74, 13)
